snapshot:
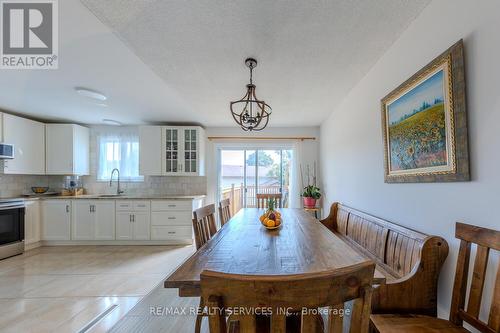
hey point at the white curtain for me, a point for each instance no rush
(118, 148)
(295, 182)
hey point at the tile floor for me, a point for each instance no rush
(62, 289)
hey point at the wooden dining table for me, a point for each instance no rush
(243, 246)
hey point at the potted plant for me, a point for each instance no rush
(310, 195)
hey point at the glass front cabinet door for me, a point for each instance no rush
(183, 151)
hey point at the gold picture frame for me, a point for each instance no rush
(424, 124)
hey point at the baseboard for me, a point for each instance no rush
(117, 242)
(32, 246)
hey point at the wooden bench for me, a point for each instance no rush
(409, 260)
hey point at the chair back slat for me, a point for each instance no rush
(292, 293)
(477, 283)
(485, 239)
(263, 198)
(494, 318)
(224, 211)
(204, 224)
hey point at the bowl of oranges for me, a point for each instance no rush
(271, 219)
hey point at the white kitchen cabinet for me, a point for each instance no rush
(172, 151)
(31, 222)
(171, 219)
(183, 151)
(133, 220)
(28, 138)
(82, 221)
(141, 225)
(124, 227)
(104, 213)
(93, 220)
(56, 220)
(150, 147)
(67, 149)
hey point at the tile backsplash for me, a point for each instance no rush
(15, 185)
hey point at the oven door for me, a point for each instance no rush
(11, 225)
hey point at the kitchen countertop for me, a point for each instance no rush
(101, 197)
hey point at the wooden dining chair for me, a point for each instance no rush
(204, 229)
(288, 294)
(263, 198)
(224, 211)
(485, 239)
(204, 225)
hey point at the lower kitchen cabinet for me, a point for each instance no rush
(88, 219)
(132, 225)
(56, 220)
(93, 220)
(32, 222)
(104, 219)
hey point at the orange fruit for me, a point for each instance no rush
(262, 218)
(270, 223)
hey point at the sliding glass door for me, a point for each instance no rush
(246, 172)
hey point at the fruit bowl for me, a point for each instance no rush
(271, 219)
(272, 228)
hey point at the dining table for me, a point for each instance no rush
(302, 244)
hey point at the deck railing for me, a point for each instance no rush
(236, 193)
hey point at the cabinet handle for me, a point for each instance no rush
(172, 205)
(171, 232)
(130, 218)
(171, 217)
(133, 218)
(67, 208)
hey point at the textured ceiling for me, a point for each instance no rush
(310, 53)
(182, 60)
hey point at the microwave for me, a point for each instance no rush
(6, 151)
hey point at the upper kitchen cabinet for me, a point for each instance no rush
(150, 147)
(67, 148)
(172, 151)
(183, 151)
(28, 138)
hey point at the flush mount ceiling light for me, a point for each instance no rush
(112, 122)
(91, 93)
(249, 112)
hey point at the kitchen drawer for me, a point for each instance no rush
(142, 206)
(124, 205)
(165, 205)
(171, 232)
(171, 218)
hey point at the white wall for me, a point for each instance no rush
(351, 146)
(309, 148)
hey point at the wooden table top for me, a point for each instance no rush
(244, 246)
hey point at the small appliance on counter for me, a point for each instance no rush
(6, 151)
(73, 186)
(11, 228)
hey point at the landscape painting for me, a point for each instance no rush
(424, 124)
(418, 126)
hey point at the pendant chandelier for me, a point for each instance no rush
(248, 112)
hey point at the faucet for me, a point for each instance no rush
(118, 189)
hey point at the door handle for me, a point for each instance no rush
(67, 208)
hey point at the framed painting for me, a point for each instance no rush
(424, 124)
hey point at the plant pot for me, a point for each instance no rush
(309, 202)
